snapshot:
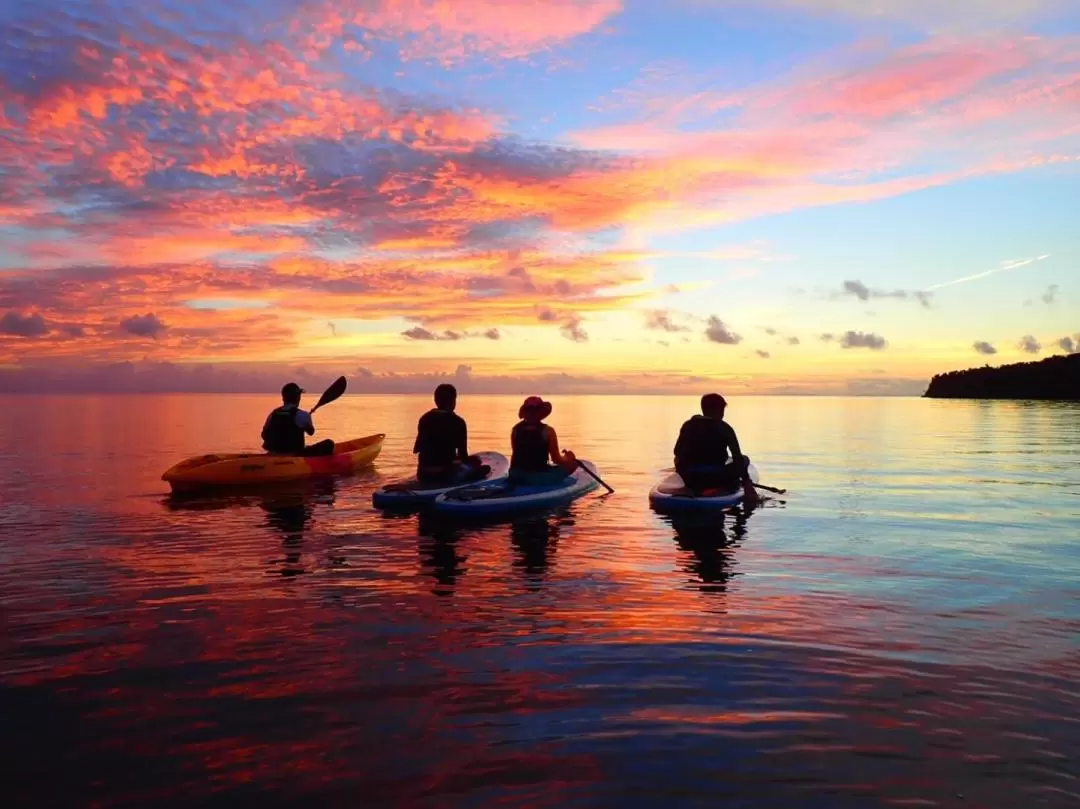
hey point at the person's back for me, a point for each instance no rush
(530, 446)
(532, 443)
(440, 434)
(442, 441)
(703, 441)
(702, 451)
(284, 430)
(282, 434)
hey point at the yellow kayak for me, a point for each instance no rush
(255, 469)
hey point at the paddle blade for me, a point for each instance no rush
(331, 393)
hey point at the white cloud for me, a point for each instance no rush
(1005, 267)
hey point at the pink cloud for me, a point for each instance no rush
(451, 31)
(913, 81)
(843, 134)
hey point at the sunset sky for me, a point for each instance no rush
(573, 195)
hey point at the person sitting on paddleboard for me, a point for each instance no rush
(442, 441)
(701, 452)
(532, 443)
(283, 432)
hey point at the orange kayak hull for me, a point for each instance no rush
(258, 469)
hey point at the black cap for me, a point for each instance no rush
(290, 390)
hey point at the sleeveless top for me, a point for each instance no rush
(529, 445)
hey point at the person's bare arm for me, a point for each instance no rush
(553, 445)
(749, 492)
(308, 425)
(567, 460)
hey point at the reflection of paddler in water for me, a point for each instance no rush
(292, 511)
(712, 545)
(535, 539)
(440, 553)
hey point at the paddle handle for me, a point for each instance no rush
(770, 488)
(595, 477)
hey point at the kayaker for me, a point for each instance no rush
(442, 443)
(701, 452)
(532, 443)
(283, 432)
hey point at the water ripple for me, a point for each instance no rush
(901, 629)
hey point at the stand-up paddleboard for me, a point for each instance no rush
(503, 497)
(412, 493)
(671, 494)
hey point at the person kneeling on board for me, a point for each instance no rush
(532, 443)
(283, 432)
(442, 441)
(701, 452)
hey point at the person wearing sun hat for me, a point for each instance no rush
(533, 443)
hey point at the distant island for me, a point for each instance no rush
(1053, 378)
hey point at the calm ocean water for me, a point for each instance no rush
(901, 629)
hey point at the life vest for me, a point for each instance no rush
(281, 433)
(529, 445)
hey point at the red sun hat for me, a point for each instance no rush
(534, 404)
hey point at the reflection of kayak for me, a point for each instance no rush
(503, 497)
(256, 469)
(671, 494)
(412, 493)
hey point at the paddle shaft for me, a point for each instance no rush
(595, 477)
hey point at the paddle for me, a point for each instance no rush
(331, 393)
(595, 477)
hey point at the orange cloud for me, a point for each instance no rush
(84, 309)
